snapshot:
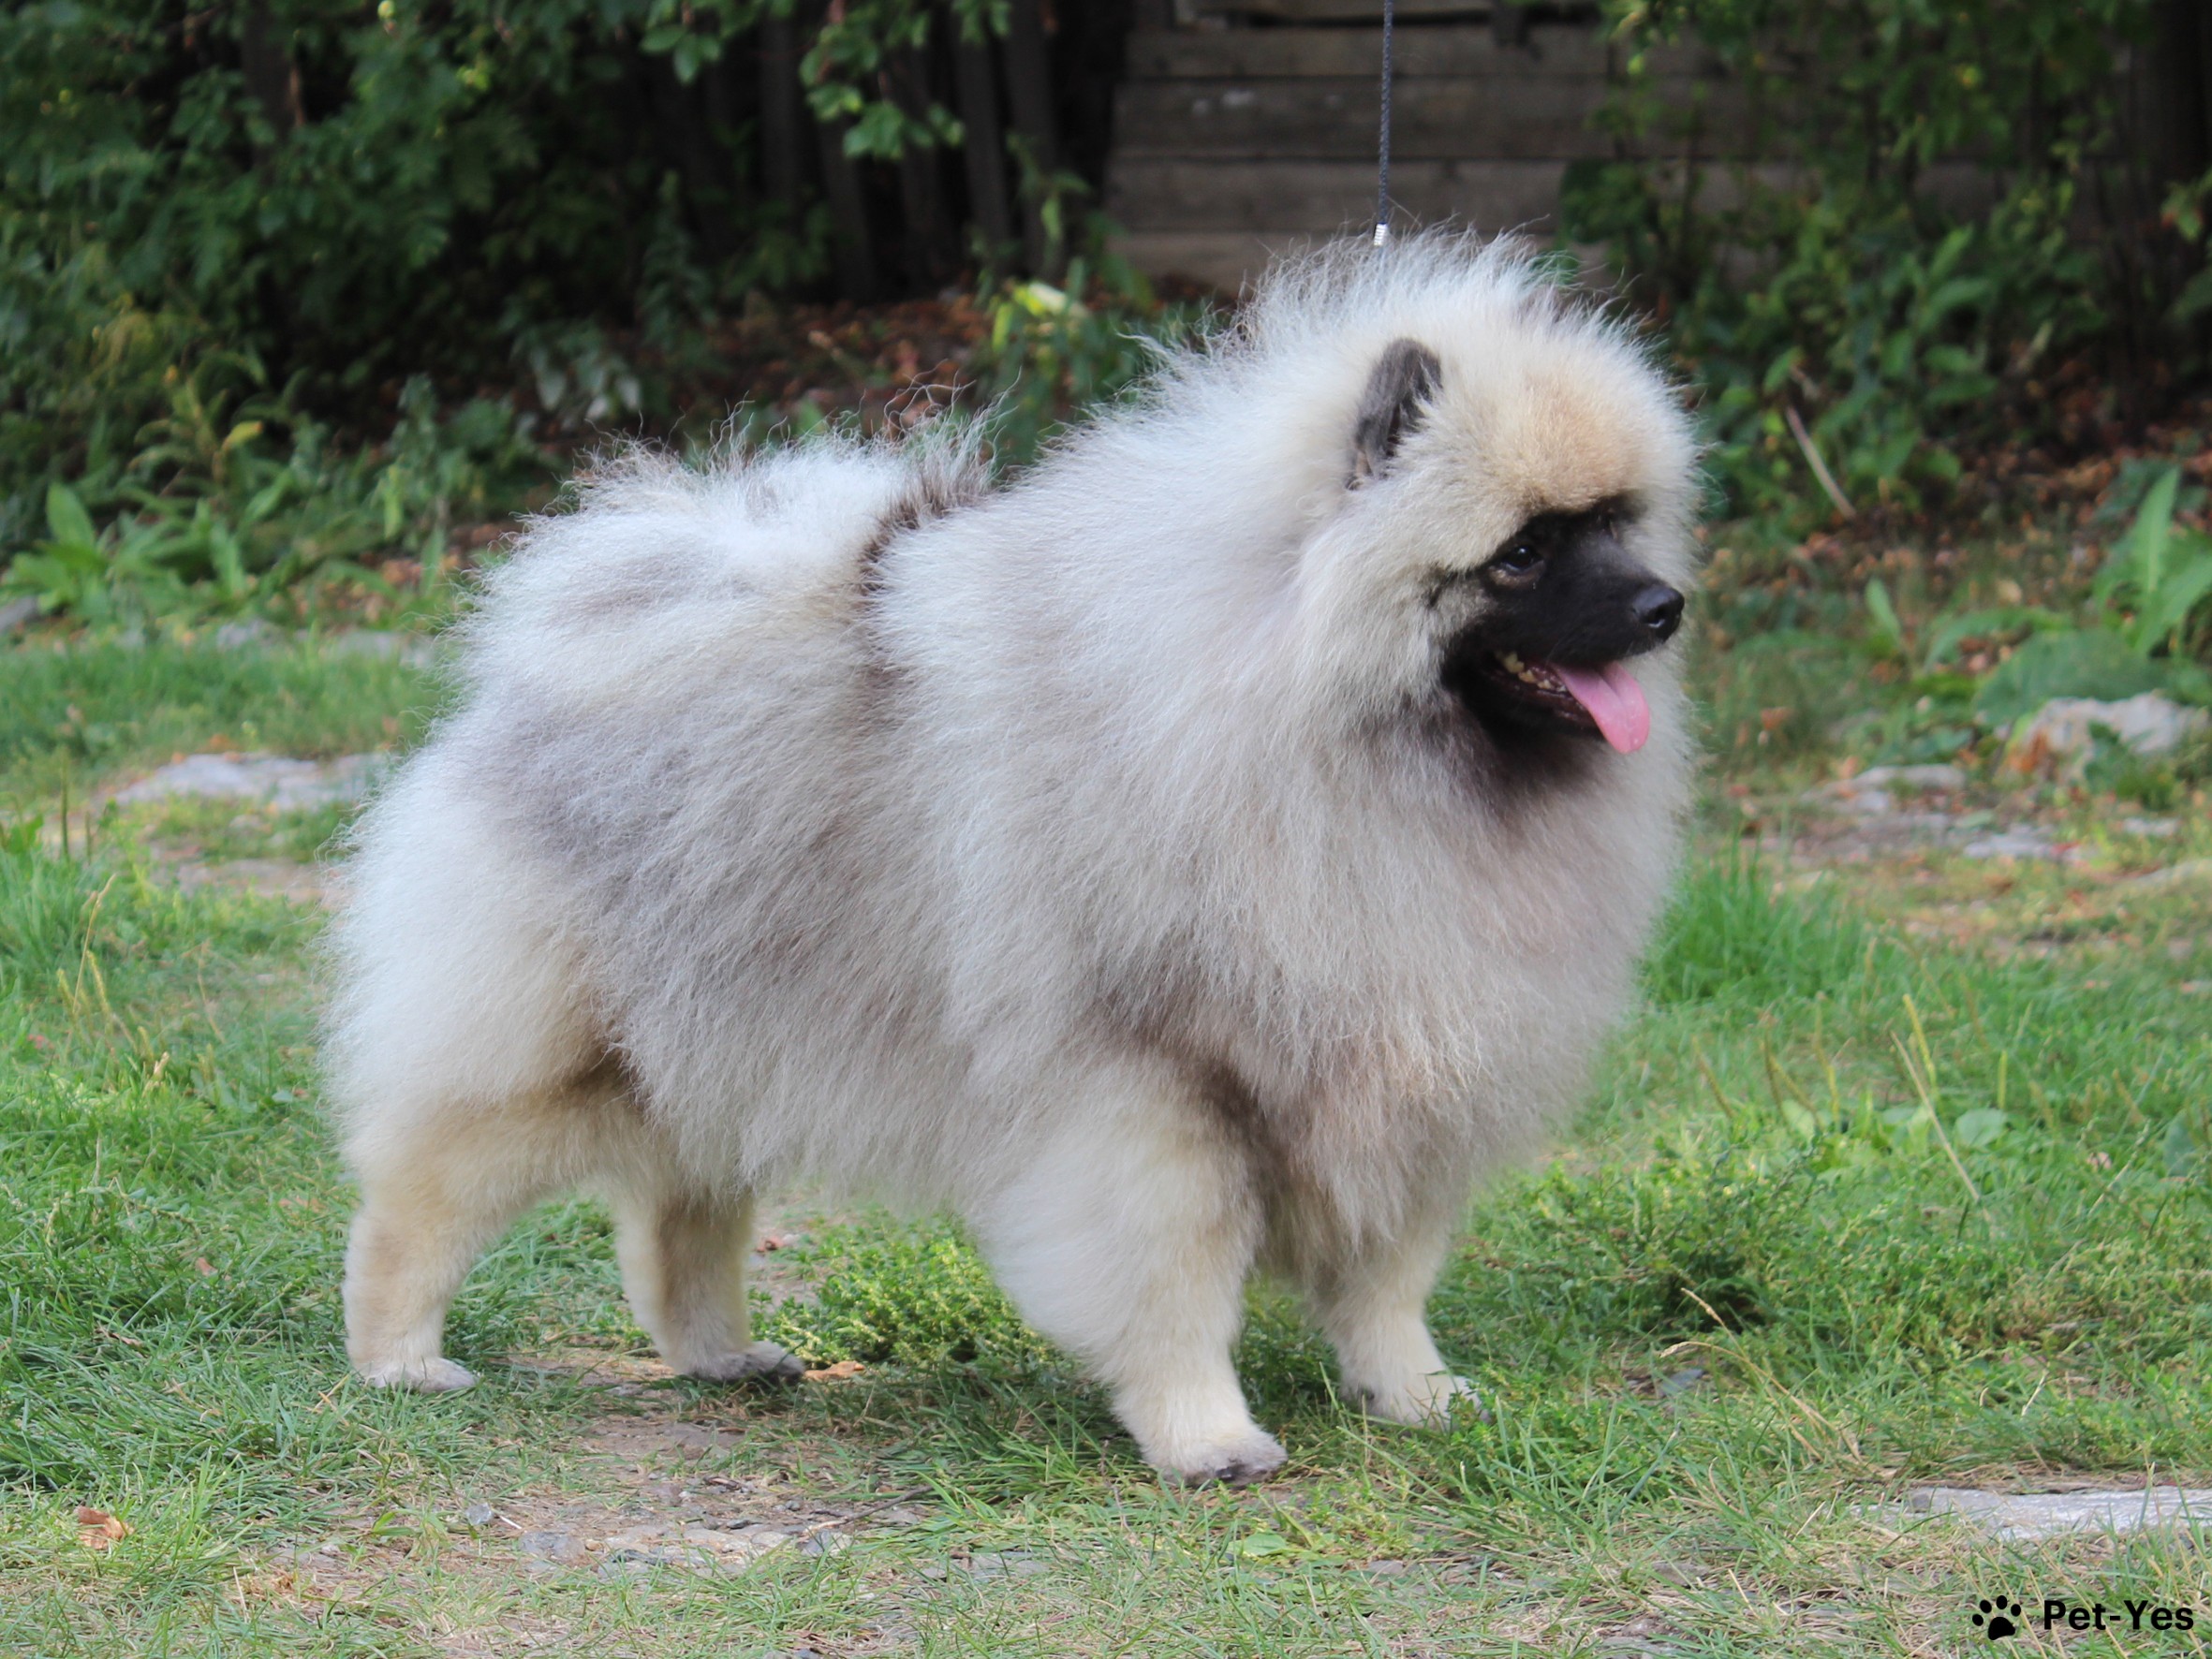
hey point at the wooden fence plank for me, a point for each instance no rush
(1338, 12)
(1438, 118)
(1337, 116)
(1287, 197)
(1225, 259)
(1553, 50)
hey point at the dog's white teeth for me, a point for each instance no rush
(1536, 674)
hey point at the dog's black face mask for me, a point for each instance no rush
(1564, 605)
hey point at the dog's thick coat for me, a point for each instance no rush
(1103, 857)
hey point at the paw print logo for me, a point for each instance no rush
(1995, 1619)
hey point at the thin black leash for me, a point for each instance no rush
(1382, 167)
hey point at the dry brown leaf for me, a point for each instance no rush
(837, 1373)
(97, 1529)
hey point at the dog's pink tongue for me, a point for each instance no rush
(1614, 700)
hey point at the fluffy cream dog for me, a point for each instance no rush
(1208, 852)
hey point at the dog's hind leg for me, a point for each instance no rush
(462, 1060)
(438, 1187)
(1128, 1241)
(683, 1251)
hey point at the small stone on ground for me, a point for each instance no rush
(728, 1548)
(2024, 841)
(2150, 725)
(563, 1548)
(415, 650)
(2175, 875)
(2046, 1515)
(277, 781)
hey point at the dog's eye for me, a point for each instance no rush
(1518, 560)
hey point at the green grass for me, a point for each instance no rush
(1849, 1211)
(68, 715)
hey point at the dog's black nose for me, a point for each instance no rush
(1659, 607)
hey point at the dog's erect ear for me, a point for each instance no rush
(1405, 375)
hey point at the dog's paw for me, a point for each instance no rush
(762, 1363)
(1422, 1401)
(434, 1375)
(1252, 1455)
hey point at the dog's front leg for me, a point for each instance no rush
(1371, 1301)
(1128, 1240)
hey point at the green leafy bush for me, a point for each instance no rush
(1972, 670)
(2149, 608)
(220, 514)
(920, 1297)
(2155, 585)
(1055, 350)
(1903, 267)
(419, 185)
(266, 271)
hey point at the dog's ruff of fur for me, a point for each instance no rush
(1098, 857)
